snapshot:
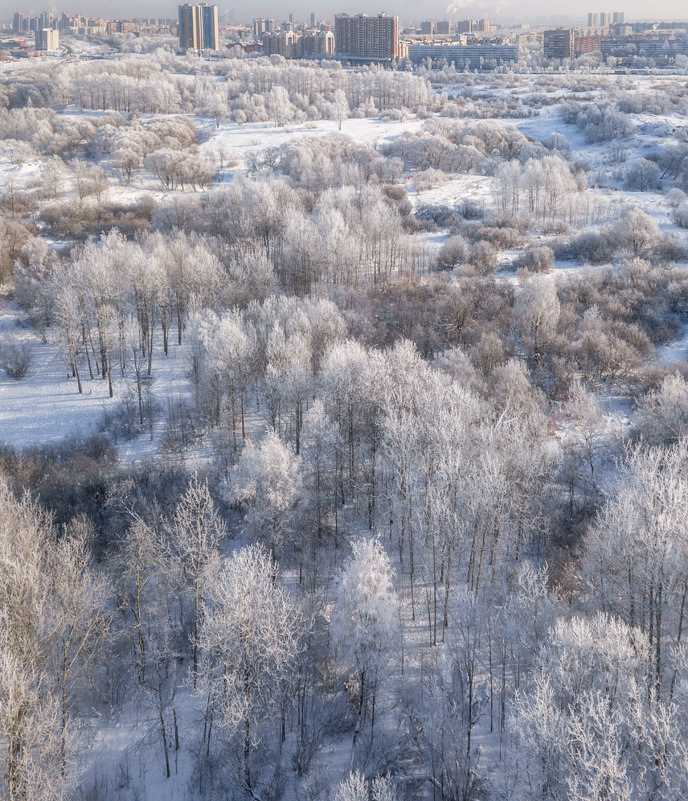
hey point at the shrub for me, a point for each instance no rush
(16, 358)
(679, 215)
(501, 237)
(537, 259)
(483, 256)
(590, 246)
(642, 175)
(452, 253)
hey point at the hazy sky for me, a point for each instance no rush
(542, 11)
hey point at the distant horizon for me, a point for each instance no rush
(500, 12)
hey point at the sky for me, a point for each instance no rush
(507, 11)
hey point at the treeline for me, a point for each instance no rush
(235, 88)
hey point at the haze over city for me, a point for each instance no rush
(507, 11)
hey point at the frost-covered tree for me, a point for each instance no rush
(636, 556)
(196, 530)
(642, 175)
(341, 107)
(635, 230)
(663, 412)
(250, 640)
(81, 619)
(279, 106)
(590, 724)
(44, 632)
(267, 482)
(365, 624)
(536, 313)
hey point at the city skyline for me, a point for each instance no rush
(500, 11)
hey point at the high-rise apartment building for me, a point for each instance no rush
(364, 38)
(198, 27)
(318, 44)
(442, 27)
(47, 39)
(464, 26)
(604, 19)
(18, 23)
(559, 43)
(286, 43)
(484, 25)
(312, 19)
(427, 28)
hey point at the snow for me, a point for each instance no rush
(122, 753)
(240, 141)
(452, 193)
(676, 351)
(126, 756)
(46, 406)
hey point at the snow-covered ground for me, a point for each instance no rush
(46, 406)
(239, 141)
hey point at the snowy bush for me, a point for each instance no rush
(15, 357)
(642, 175)
(452, 253)
(679, 215)
(537, 259)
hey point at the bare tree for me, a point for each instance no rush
(250, 634)
(195, 532)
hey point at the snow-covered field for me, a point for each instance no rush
(45, 406)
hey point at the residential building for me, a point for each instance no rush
(318, 44)
(464, 26)
(443, 28)
(484, 25)
(463, 56)
(47, 39)
(198, 27)
(287, 44)
(593, 19)
(605, 19)
(364, 38)
(120, 26)
(588, 42)
(559, 43)
(427, 28)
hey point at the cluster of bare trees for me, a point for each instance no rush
(107, 304)
(53, 606)
(424, 557)
(460, 507)
(238, 87)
